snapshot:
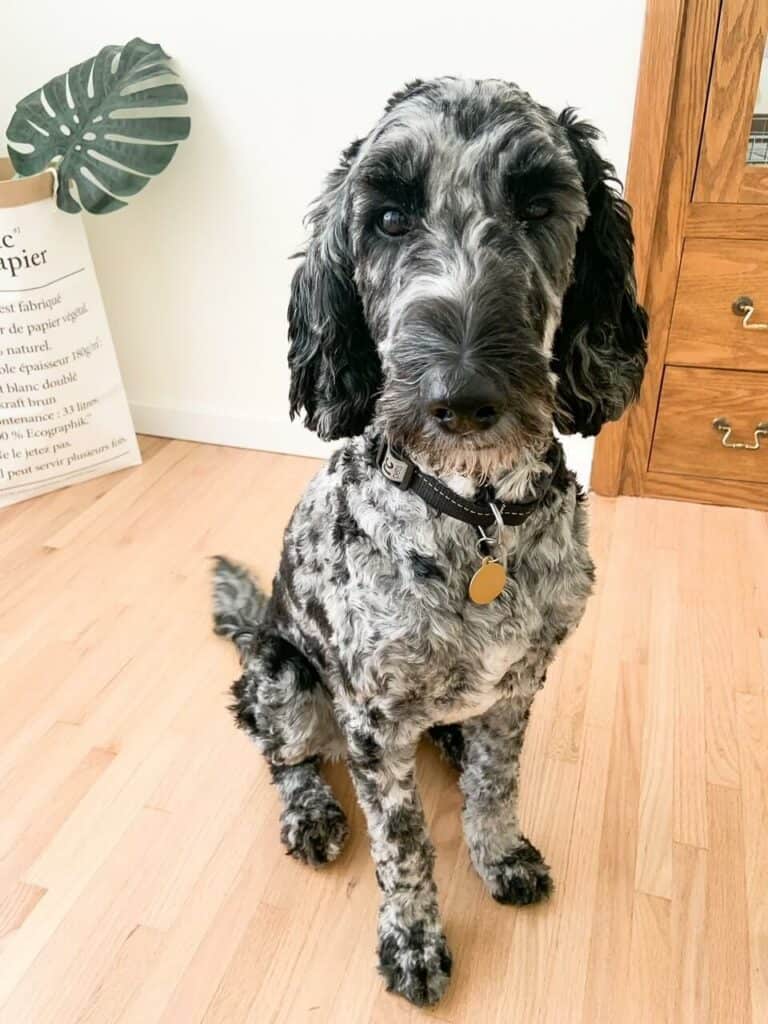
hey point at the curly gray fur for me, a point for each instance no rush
(239, 604)
(514, 269)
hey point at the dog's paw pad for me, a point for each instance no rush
(314, 833)
(522, 877)
(415, 964)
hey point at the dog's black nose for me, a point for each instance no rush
(472, 405)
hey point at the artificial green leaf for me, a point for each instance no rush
(104, 125)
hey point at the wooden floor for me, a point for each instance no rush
(141, 876)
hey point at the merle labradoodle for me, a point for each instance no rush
(468, 286)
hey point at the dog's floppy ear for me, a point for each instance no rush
(335, 368)
(599, 351)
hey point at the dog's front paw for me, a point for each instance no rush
(521, 877)
(414, 960)
(314, 831)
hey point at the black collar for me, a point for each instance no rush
(398, 468)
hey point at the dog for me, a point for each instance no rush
(467, 288)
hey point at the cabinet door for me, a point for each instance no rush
(733, 163)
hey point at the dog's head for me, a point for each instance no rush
(468, 279)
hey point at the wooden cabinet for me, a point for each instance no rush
(733, 167)
(683, 442)
(707, 320)
(700, 430)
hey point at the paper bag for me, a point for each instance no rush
(64, 416)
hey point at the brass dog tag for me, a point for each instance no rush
(488, 582)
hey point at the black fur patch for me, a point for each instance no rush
(450, 740)
(425, 568)
(316, 613)
(241, 707)
(367, 749)
(277, 654)
(346, 527)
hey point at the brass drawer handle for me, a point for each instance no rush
(722, 424)
(745, 307)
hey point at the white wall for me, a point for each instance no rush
(195, 273)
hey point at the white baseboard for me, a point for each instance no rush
(280, 435)
(213, 427)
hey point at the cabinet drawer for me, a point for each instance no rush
(705, 331)
(686, 442)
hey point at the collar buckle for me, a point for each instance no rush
(396, 469)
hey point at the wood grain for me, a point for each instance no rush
(726, 220)
(721, 232)
(691, 943)
(680, 159)
(653, 104)
(708, 490)
(705, 331)
(141, 875)
(727, 914)
(738, 57)
(649, 975)
(753, 752)
(754, 185)
(690, 712)
(686, 443)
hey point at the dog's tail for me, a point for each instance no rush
(239, 604)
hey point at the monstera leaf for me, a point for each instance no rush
(103, 126)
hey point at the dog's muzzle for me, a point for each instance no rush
(466, 406)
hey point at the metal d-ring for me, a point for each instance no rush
(497, 515)
(484, 539)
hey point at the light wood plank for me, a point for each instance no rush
(141, 873)
(610, 954)
(578, 910)
(691, 946)
(752, 729)
(727, 914)
(653, 867)
(646, 998)
(691, 708)
(16, 904)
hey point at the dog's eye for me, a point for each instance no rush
(536, 209)
(393, 222)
